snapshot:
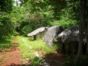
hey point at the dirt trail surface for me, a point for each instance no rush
(55, 59)
(12, 56)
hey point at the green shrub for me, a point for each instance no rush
(26, 29)
(6, 25)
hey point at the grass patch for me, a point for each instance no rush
(6, 43)
(23, 60)
(37, 45)
(25, 51)
(35, 61)
(1, 58)
(10, 54)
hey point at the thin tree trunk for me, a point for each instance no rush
(87, 35)
(87, 40)
(80, 47)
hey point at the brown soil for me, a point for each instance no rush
(12, 56)
(55, 59)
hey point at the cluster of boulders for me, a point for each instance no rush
(51, 34)
(47, 34)
(69, 38)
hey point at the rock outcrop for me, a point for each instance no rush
(51, 34)
(70, 38)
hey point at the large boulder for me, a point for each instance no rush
(38, 33)
(69, 35)
(51, 34)
(70, 39)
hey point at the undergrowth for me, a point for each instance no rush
(70, 60)
(1, 59)
(6, 43)
(29, 47)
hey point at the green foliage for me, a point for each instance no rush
(34, 14)
(67, 16)
(1, 58)
(67, 22)
(6, 26)
(36, 46)
(23, 47)
(6, 5)
(30, 22)
(35, 61)
(6, 43)
(70, 58)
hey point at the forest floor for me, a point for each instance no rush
(12, 57)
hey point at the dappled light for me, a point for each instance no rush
(43, 32)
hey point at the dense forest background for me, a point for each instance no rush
(32, 14)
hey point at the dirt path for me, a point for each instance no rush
(12, 56)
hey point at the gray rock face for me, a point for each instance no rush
(35, 32)
(38, 33)
(69, 39)
(51, 34)
(69, 35)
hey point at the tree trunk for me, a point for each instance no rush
(87, 40)
(80, 47)
(87, 35)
